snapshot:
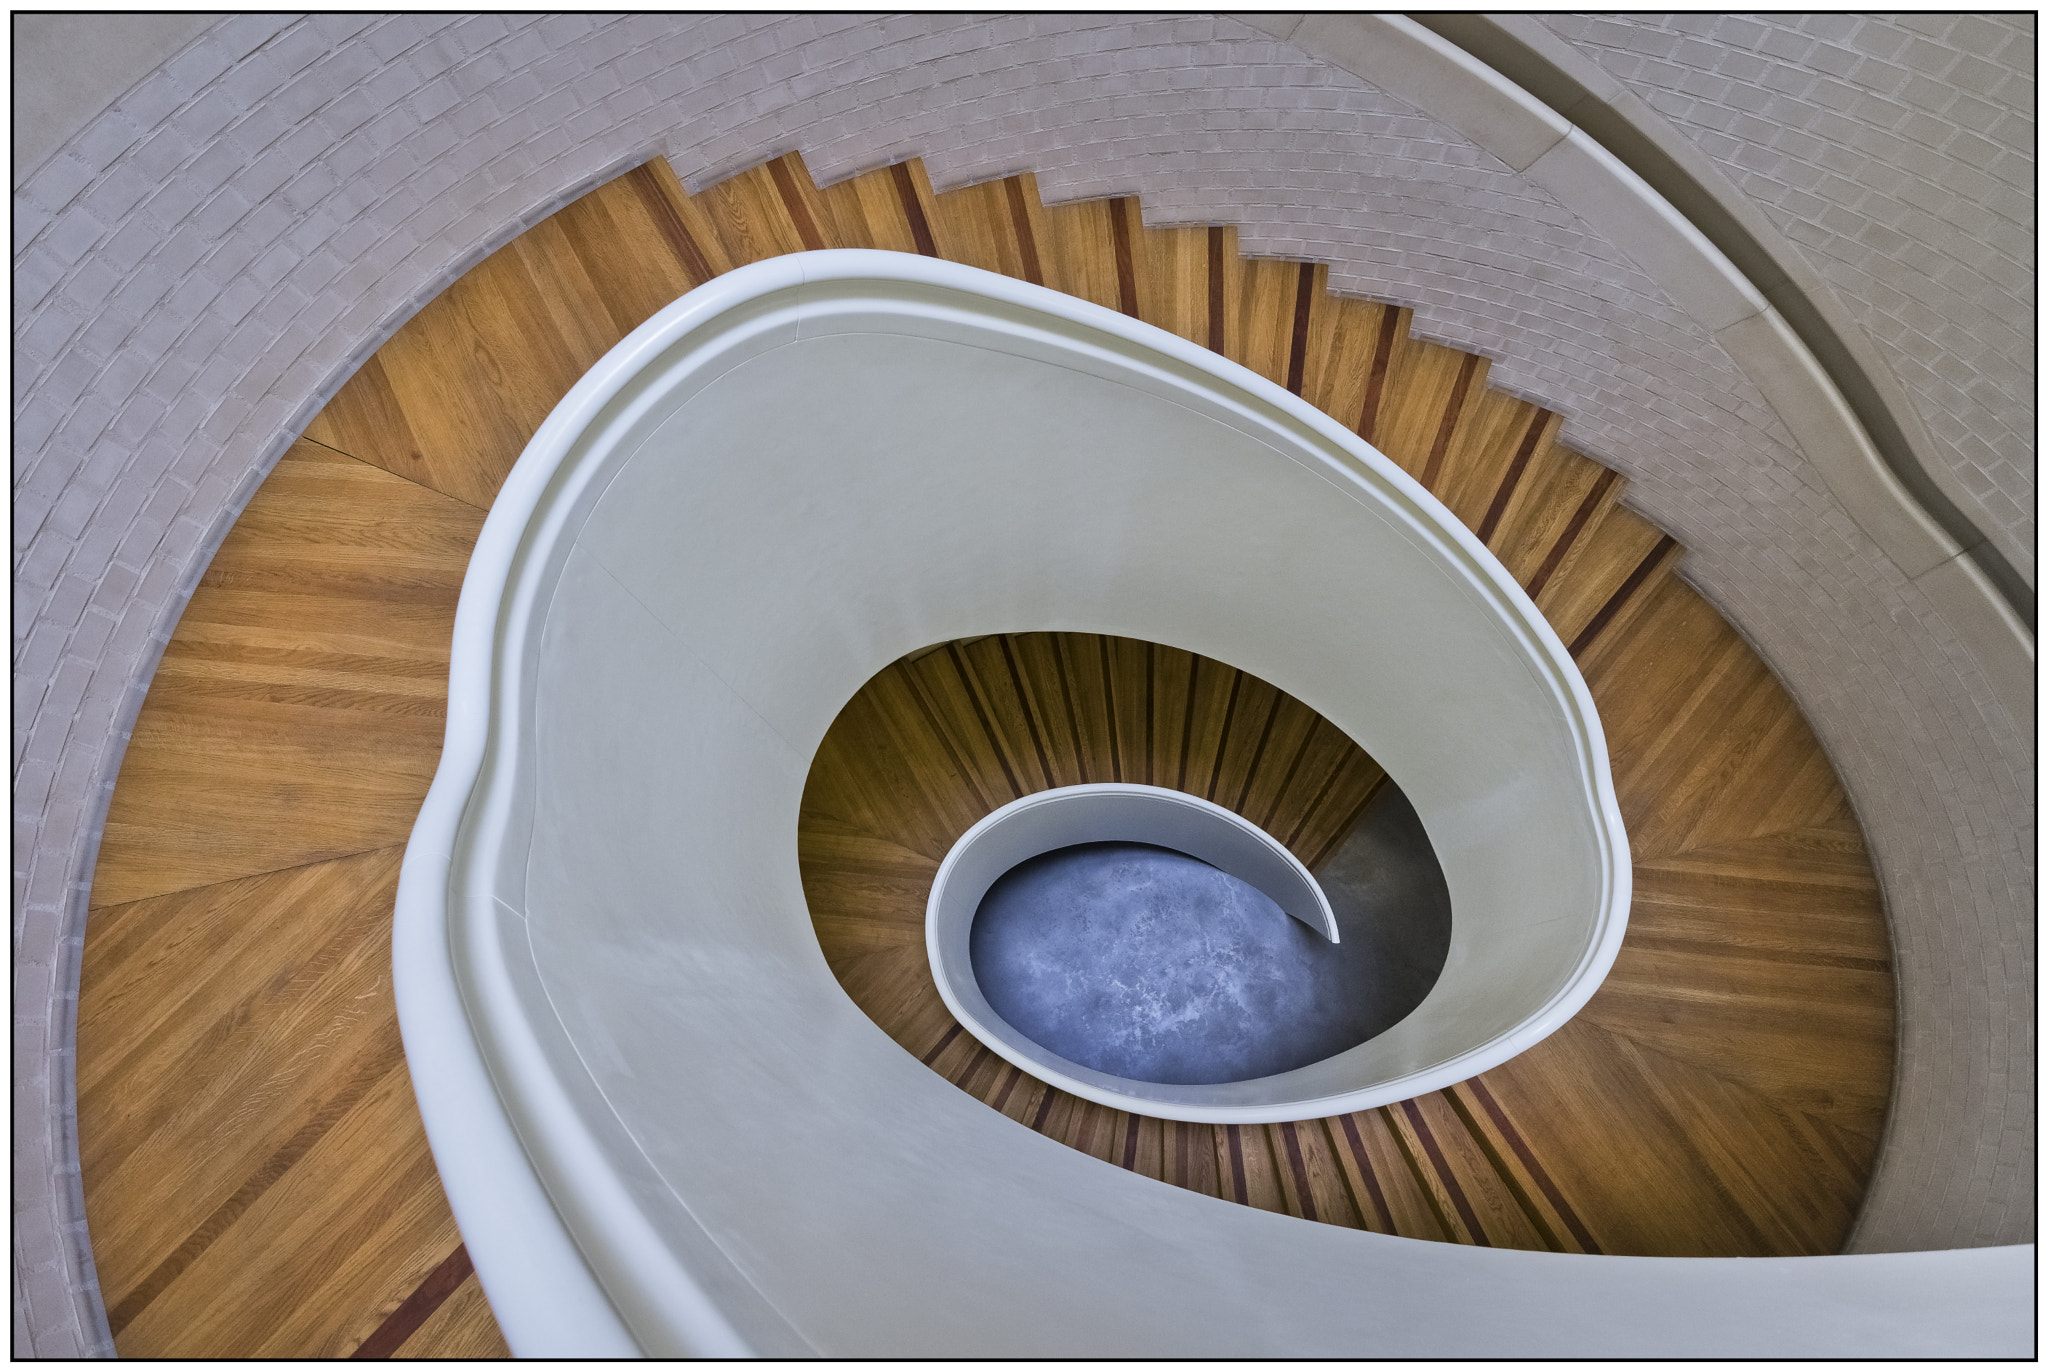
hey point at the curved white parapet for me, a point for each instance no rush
(1102, 811)
(661, 1123)
(1120, 812)
(1127, 812)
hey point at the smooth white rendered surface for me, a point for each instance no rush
(771, 490)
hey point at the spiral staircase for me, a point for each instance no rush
(256, 1177)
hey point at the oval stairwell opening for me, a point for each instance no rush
(1064, 714)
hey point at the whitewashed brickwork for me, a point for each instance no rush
(1897, 151)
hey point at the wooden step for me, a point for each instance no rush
(1724, 1093)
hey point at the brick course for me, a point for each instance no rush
(1897, 152)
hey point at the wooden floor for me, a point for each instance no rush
(257, 1181)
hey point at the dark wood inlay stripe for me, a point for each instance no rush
(1297, 346)
(1020, 221)
(1059, 657)
(1299, 1169)
(1223, 734)
(978, 1059)
(1116, 751)
(1237, 1186)
(968, 682)
(1215, 289)
(1151, 713)
(1044, 1109)
(1505, 1173)
(1417, 1172)
(793, 201)
(1444, 1173)
(1365, 1172)
(415, 1310)
(1513, 478)
(1284, 790)
(1341, 832)
(647, 189)
(1131, 1144)
(375, 1067)
(1187, 721)
(1376, 379)
(1126, 268)
(1002, 1097)
(913, 210)
(1466, 367)
(1620, 598)
(937, 729)
(1536, 1170)
(1085, 1136)
(1571, 532)
(940, 1047)
(1251, 771)
(1030, 714)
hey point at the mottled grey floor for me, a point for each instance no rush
(1149, 964)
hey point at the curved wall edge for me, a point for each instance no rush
(1434, 74)
(1522, 49)
(1804, 363)
(1555, 71)
(1554, 74)
(74, 672)
(1572, 1305)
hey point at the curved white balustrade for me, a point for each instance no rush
(661, 1123)
(1124, 812)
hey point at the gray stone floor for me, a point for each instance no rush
(1152, 965)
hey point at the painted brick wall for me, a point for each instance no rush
(1898, 153)
(204, 263)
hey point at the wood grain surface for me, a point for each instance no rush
(257, 1181)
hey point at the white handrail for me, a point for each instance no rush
(660, 1121)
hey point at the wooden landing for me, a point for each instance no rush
(257, 1182)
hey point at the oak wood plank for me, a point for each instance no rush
(1173, 281)
(297, 712)
(867, 212)
(462, 1328)
(1597, 565)
(1344, 340)
(240, 1063)
(323, 1256)
(1477, 457)
(1422, 379)
(749, 218)
(1461, 1159)
(1558, 494)
(1723, 1094)
(1079, 255)
(973, 225)
(1266, 294)
(474, 373)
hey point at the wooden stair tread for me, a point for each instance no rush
(296, 721)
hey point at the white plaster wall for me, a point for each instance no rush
(207, 259)
(1897, 151)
